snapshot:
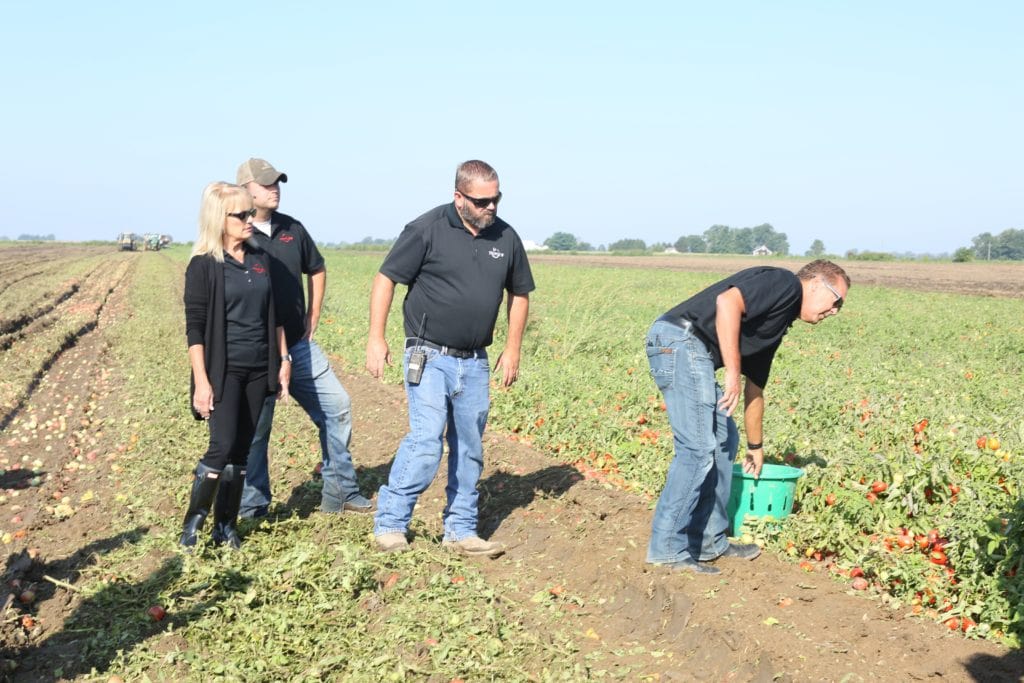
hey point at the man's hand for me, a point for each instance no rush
(202, 399)
(377, 356)
(730, 393)
(753, 462)
(508, 362)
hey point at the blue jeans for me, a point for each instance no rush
(316, 388)
(690, 520)
(453, 393)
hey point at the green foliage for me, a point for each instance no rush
(562, 241)
(816, 249)
(855, 255)
(1007, 245)
(963, 254)
(628, 245)
(722, 239)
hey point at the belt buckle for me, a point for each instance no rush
(443, 350)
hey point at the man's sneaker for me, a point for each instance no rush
(360, 506)
(689, 565)
(742, 551)
(474, 546)
(392, 543)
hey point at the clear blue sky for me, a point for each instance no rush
(868, 125)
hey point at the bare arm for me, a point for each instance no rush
(202, 399)
(377, 352)
(284, 375)
(317, 285)
(729, 309)
(508, 361)
(753, 423)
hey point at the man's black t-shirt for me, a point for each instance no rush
(456, 281)
(772, 297)
(246, 311)
(293, 253)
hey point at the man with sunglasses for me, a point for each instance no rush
(293, 253)
(737, 324)
(458, 261)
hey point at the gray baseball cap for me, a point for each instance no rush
(260, 172)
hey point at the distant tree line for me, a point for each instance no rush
(722, 239)
(1006, 246)
(365, 244)
(37, 238)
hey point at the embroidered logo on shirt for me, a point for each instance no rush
(258, 268)
(286, 238)
(495, 253)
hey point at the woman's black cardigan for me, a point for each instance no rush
(206, 320)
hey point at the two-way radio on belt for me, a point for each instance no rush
(418, 358)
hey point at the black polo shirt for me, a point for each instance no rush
(455, 279)
(246, 311)
(772, 297)
(293, 253)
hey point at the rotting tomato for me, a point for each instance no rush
(859, 584)
(156, 613)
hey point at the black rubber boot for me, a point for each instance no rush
(204, 487)
(225, 510)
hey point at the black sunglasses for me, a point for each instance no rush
(838, 303)
(243, 215)
(482, 202)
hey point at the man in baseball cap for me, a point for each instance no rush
(293, 253)
(259, 171)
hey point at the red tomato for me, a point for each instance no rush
(921, 426)
(830, 499)
(938, 557)
(966, 624)
(953, 623)
(871, 497)
(156, 613)
(855, 572)
(879, 487)
(981, 442)
(905, 541)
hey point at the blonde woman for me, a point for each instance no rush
(235, 349)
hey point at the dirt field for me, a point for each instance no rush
(580, 542)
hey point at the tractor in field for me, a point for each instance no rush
(127, 241)
(151, 242)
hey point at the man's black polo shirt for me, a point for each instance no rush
(293, 253)
(772, 297)
(455, 279)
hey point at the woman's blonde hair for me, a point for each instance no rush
(219, 199)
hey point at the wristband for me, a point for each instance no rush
(754, 446)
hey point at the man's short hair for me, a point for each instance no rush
(471, 170)
(826, 269)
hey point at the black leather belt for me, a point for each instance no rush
(686, 324)
(445, 350)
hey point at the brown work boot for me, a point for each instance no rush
(393, 542)
(474, 546)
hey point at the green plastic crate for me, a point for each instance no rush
(769, 496)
